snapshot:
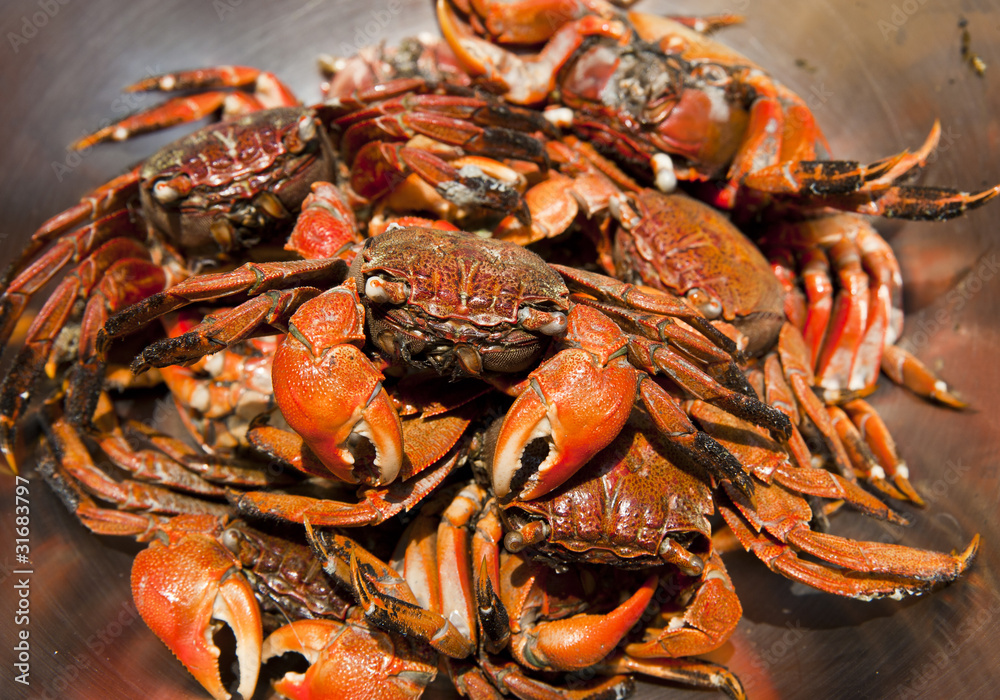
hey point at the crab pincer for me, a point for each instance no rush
(180, 586)
(578, 401)
(330, 393)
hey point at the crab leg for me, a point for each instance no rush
(885, 569)
(914, 203)
(674, 424)
(875, 432)
(101, 202)
(688, 672)
(581, 640)
(74, 247)
(612, 290)
(905, 369)
(794, 361)
(222, 471)
(861, 456)
(268, 92)
(525, 81)
(74, 457)
(511, 677)
(139, 277)
(263, 313)
(101, 521)
(380, 166)
(659, 358)
(402, 617)
(493, 618)
(149, 466)
(254, 278)
(377, 504)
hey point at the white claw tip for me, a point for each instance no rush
(663, 169)
(559, 116)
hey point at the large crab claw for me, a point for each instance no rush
(582, 640)
(179, 588)
(577, 401)
(349, 660)
(331, 394)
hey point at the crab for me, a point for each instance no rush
(449, 583)
(463, 307)
(226, 190)
(256, 583)
(637, 504)
(667, 100)
(676, 243)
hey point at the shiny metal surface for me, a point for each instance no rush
(877, 74)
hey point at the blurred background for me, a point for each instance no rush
(876, 74)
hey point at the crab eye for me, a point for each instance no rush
(304, 132)
(166, 191)
(307, 128)
(384, 292)
(708, 305)
(547, 323)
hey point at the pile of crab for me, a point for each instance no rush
(483, 373)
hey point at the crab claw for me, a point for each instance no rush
(582, 640)
(573, 403)
(331, 394)
(348, 661)
(180, 588)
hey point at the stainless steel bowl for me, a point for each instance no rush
(876, 74)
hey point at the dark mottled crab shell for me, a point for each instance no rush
(667, 251)
(459, 275)
(462, 289)
(629, 503)
(228, 165)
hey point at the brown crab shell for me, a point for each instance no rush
(456, 275)
(228, 165)
(622, 505)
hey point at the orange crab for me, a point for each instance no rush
(667, 100)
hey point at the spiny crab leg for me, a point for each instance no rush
(268, 92)
(254, 278)
(180, 588)
(708, 620)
